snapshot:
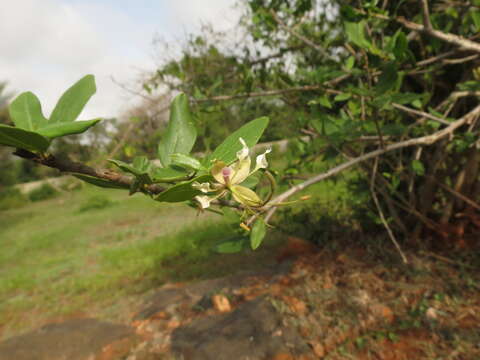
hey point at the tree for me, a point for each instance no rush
(397, 98)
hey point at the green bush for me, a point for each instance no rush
(11, 198)
(329, 214)
(96, 202)
(43, 192)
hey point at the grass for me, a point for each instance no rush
(94, 251)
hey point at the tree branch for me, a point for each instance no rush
(278, 91)
(68, 166)
(426, 15)
(447, 37)
(302, 38)
(424, 140)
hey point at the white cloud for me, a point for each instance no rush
(191, 13)
(47, 45)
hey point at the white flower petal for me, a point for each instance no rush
(261, 162)
(204, 201)
(243, 153)
(241, 170)
(203, 187)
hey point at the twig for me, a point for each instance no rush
(461, 60)
(424, 140)
(380, 212)
(446, 37)
(426, 15)
(273, 56)
(277, 91)
(436, 58)
(420, 113)
(300, 37)
(457, 194)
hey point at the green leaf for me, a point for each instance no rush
(250, 132)
(26, 112)
(400, 45)
(181, 132)
(142, 164)
(166, 175)
(123, 166)
(183, 191)
(231, 246)
(22, 139)
(257, 234)
(186, 161)
(100, 182)
(350, 63)
(475, 15)
(418, 167)
(72, 102)
(342, 97)
(140, 167)
(356, 33)
(388, 78)
(61, 129)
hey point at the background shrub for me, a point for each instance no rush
(43, 192)
(11, 198)
(95, 202)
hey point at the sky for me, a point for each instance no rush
(47, 45)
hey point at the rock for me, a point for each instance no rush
(245, 333)
(197, 293)
(78, 339)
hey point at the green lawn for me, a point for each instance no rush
(57, 261)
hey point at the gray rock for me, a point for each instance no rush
(78, 339)
(253, 331)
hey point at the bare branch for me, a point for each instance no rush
(446, 37)
(279, 91)
(420, 113)
(307, 41)
(380, 212)
(461, 60)
(426, 15)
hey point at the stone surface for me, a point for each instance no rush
(252, 331)
(79, 339)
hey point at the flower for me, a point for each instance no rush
(229, 177)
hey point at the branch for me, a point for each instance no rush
(447, 37)
(273, 56)
(420, 113)
(300, 37)
(424, 140)
(278, 91)
(68, 166)
(382, 216)
(426, 15)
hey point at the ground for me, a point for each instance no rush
(343, 303)
(95, 274)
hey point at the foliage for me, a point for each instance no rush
(34, 132)
(96, 202)
(43, 192)
(11, 198)
(351, 80)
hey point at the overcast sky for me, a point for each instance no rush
(46, 45)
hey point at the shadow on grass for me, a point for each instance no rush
(188, 255)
